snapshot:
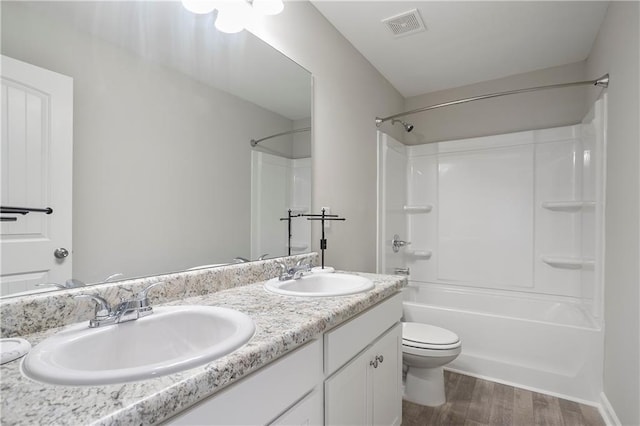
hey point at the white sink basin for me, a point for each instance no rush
(320, 285)
(169, 340)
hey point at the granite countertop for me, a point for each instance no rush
(282, 324)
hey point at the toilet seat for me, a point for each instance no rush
(426, 349)
(425, 336)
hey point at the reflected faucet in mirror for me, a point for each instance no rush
(240, 259)
(74, 283)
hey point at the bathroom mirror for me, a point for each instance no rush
(164, 108)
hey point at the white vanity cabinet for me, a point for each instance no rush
(352, 376)
(367, 388)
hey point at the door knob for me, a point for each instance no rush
(61, 253)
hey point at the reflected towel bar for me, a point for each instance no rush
(20, 210)
(24, 210)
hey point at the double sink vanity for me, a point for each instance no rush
(229, 345)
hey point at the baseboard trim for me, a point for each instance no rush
(607, 412)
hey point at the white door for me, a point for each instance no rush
(392, 190)
(36, 172)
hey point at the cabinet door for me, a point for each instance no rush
(386, 378)
(347, 394)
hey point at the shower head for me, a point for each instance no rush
(408, 127)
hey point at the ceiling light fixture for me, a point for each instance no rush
(233, 15)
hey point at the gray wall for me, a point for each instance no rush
(617, 51)
(348, 94)
(526, 111)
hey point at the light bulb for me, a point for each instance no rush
(232, 15)
(199, 6)
(268, 7)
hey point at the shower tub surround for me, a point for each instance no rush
(506, 249)
(282, 324)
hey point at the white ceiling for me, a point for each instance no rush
(467, 42)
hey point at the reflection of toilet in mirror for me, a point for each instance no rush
(426, 349)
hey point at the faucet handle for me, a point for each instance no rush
(103, 309)
(145, 292)
(113, 276)
(142, 301)
(301, 263)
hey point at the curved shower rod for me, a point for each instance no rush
(600, 82)
(255, 142)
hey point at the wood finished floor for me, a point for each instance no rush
(476, 402)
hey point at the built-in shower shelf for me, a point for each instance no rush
(299, 246)
(567, 206)
(568, 262)
(420, 254)
(418, 209)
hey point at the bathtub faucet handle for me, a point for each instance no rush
(396, 243)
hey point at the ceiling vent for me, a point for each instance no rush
(405, 24)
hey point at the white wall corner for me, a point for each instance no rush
(607, 412)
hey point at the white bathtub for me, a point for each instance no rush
(548, 346)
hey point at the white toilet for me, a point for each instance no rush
(425, 350)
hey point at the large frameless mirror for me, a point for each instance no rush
(160, 110)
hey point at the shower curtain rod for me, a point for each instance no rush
(601, 82)
(255, 142)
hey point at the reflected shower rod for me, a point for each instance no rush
(255, 142)
(600, 82)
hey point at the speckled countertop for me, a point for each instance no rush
(282, 324)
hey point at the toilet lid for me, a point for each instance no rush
(424, 334)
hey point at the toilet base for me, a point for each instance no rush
(425, 386)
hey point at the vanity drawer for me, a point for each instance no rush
(347, 340)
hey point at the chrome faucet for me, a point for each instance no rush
(126, 310)
(293, 273)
